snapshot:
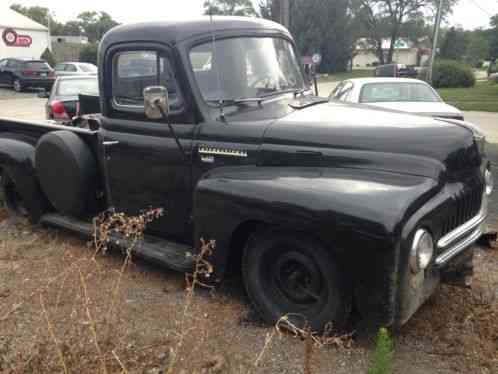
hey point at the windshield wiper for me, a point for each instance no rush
(295, 91)
(242, 100)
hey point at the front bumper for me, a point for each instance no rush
(453, 254)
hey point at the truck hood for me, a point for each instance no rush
(350, 135)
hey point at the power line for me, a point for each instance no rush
(481, 8)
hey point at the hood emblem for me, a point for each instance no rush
(203, 150)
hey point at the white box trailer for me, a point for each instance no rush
(20, 36)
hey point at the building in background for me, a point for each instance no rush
(80, 39)
(20, 36)
(405, 52)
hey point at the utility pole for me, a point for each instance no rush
(436, 37)
(49, 32)
(284, 13)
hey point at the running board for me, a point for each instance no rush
(170, 254)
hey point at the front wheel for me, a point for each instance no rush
(292, 274)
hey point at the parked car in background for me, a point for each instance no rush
(23, 73)
(404, 94)
(396, 71)
(62, 104)
(75, 68)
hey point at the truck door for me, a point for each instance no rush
(144, 165)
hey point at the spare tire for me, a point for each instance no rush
(67, 170)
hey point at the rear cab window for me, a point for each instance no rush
(36, 65)
(133, 71)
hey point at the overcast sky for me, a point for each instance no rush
(468, 13)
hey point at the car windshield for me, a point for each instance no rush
(397, 92)
(74, 87)
(245, 67)
(88, 68)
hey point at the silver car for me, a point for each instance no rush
(75, 68)
(403, 94)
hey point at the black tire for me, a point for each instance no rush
(67, 170)
(17, 85)
(293, 274)
(11, 197)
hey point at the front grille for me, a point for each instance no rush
(466, 206)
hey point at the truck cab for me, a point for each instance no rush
(320, 205)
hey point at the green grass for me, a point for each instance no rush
(482, 97)
(357, 73)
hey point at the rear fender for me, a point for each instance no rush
(17, 158)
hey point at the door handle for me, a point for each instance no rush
(108, 143)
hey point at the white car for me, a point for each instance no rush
(403, 94)
(75, 68)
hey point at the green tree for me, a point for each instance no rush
(95, 24)
(89, 53)
(493, 38)
(229, 8)
(326, 27)
(36, 13)
(385, 19)
(454, 45)
(477, 47)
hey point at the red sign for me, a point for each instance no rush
(13, 39)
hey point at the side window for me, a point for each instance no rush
(70, 67)
(59, 67)
(3, 63)
(12, 64)
(133, 71)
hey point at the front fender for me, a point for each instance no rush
(343, 207)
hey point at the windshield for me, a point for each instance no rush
(88, 68)
(247, 67)
(74, 87)
(397, 92)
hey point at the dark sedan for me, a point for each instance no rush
(20, 74)
(63, 104)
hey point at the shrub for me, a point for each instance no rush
(451, 74)
(383, 355)
(48, 57)
(479, 64)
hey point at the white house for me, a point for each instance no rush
(405, 52)
(20, 36)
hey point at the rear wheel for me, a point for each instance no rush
(17, 85)
(12, 199)
(294, 275)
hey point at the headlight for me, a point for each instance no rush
(422, 250)
(488, 180)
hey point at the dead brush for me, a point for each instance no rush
(185, 326)
(310, 338)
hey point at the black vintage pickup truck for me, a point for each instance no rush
(324, 207)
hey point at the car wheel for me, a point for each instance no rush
(17, 85)
(293, 274)
(11, 197)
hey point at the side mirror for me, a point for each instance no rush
(156, 102)
(43, 94)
